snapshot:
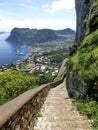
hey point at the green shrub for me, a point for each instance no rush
(73, 49)
(13, 83)
(69, 65)
(95, 4)
(88, 107)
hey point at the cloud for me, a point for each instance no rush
(7, 25)
(27, 1)
(25, 5)
(62, 4)
(45, 6)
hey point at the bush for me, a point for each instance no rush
(13, 83)
(73, 49)
(88, 107)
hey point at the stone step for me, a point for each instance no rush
(58, 113)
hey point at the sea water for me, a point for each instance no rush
(8, 51)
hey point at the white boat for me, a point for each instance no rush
(19, 53)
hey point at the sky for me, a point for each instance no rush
(53, 14)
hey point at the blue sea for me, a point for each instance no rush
(8, 51)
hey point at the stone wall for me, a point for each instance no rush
(21, 112)
(82, 11)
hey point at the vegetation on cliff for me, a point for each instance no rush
(84, 62)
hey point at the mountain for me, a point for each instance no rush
(66, 31)
(31, 36)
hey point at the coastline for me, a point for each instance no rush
(15, 65)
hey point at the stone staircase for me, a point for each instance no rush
(58, 113)
(49, 104)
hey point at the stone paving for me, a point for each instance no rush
(58, 113)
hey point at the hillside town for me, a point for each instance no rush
(41, 63)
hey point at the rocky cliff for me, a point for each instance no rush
(30, 36)
(82, 66)
(82, 11)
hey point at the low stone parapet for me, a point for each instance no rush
(21, 112)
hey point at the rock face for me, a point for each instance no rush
(74, 86)
(30, 36)
(82, 11)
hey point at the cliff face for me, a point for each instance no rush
(82, 66)
(82, 11)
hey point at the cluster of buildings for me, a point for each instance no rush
(41, 64)
(44, 65)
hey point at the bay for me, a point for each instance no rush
(8, 51)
